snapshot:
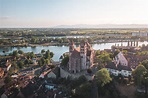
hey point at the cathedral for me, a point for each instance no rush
(80, 58)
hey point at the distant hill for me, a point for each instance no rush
(104, 26)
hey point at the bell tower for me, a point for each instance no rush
(71, 46)
(83, 51)
(71, 49)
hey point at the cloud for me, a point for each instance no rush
(4, 17)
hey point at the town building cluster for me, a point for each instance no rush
(81, 59)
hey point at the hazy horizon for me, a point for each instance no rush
(54, 13)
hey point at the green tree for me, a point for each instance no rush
(20, 52)
(14, 67)
(124, 51)
(47, 61)
(47, 54)
(51, 54)
(34, 40)
(137, 74)
(43, 51)
(102, 77)
(84, 91)
(97, 53)
(30, 55)
(26, 62)
(145, 82)
(42, 61)
(145, 64)
(104, 58)
(89, 70)
(7, 80)
(65, 61)
(82, 79)
(15, 53)
(78, 81)
(20, 64)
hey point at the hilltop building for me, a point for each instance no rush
(80, 58)
(119, 66)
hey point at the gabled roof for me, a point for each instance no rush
(112, 65)
(76, 53)
(77, 49)
(56, 71)
(61, 57)
(120, 67)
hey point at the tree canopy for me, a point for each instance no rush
(145, 64)
(15, 53)
(43, 51)
(84, 91)
(20, 52)
(102, 77)
(7, 80)
(137, 73)
(104, 58)
(65, 61)
(48, 54)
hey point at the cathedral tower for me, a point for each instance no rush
(83, 51)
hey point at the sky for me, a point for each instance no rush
(50, 13)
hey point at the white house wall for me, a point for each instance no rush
(124, 73)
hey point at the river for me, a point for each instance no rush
(59, 50)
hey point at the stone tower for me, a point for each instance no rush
(83, 51)
(71, 46)
(71, 49)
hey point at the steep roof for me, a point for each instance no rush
(76, 52)
(120, 67)
(56, 71)
(112, 65)
(77, 49)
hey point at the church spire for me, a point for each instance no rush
(71, 46)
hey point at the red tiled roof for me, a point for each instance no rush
(77, 49)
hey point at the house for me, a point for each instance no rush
(119, 66)
(51, 75)
(80, 58)
(125, 71)
(119, 58)
(55, 73)
(134, 60)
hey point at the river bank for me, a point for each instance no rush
(61, 44)
(59, 50)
